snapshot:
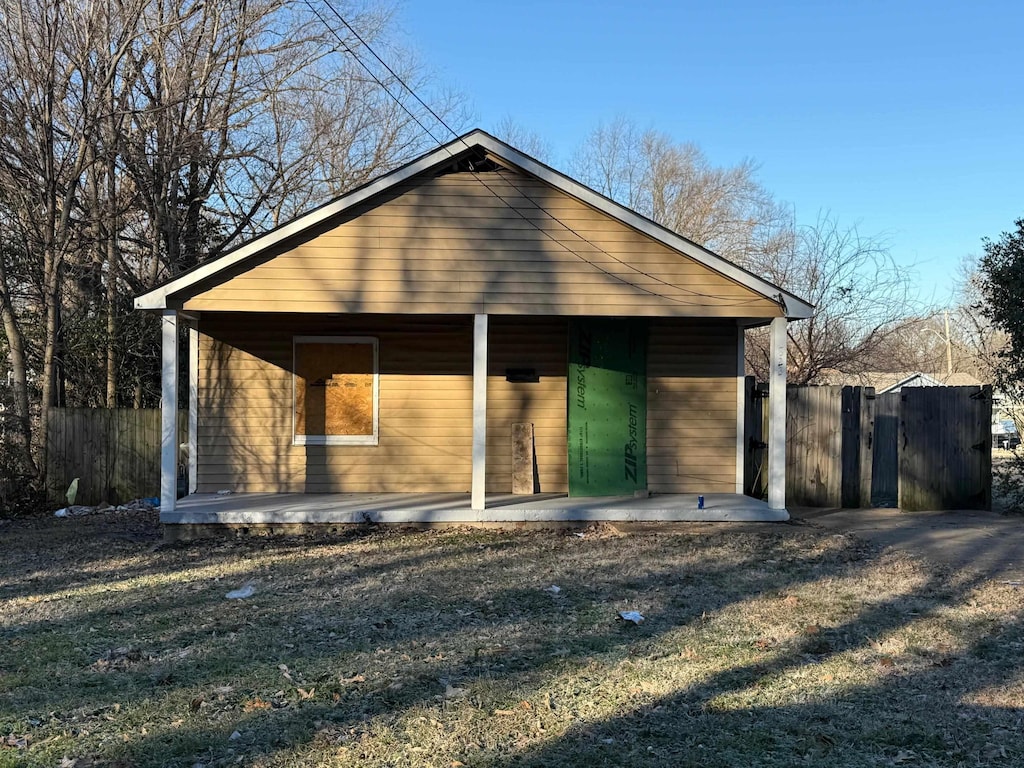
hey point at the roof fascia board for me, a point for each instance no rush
(157, 298)
(795, 307)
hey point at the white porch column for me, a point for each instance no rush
(741, 404)
(777, 416)
(169, 411)
(193, 406)
(479, 410)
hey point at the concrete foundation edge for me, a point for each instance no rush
(466, 516)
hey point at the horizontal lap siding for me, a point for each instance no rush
(245, 414)
(691, 407)
(527, 343)
(450, 245)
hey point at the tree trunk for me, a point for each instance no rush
(113, 260)
(19, 374)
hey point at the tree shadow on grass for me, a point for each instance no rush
(478, 619)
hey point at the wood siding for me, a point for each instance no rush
(426, 418)
(691, 407)
(481, 243)
(540, 344)
(245, 409)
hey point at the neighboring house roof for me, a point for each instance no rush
(251, 253)
(894, 381)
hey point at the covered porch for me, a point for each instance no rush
(442, 317)
(244, 509)
(481, 505)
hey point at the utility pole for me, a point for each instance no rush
(947, 339)
(949, 349)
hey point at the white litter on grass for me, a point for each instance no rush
(554, 589)
(72, 493)
(241, 593)
(75, 510)
(634, 616)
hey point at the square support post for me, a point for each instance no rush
(193, 406)
(168, 411)
(741, 407)
(777, 416)
(479, 412)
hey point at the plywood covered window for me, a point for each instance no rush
(336, 398)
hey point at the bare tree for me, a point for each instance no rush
(609, 160)
(725, 209)
(862, 299)
(522, 138)
(56, 61)
(140, 137)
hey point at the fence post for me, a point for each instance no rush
(755, 430)
(867, 437)
(850, 424)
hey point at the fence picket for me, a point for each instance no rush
(922, 448)
(114, 453)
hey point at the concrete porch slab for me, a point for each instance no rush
(398, 508)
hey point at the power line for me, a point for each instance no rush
(728, 300)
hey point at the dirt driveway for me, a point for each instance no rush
(985, 542)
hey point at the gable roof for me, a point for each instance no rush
(477, 140)
(894, 381)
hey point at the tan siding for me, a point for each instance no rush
(691, 407)
(449, 245)
(537, 343)
(245, 427)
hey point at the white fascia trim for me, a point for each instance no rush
(157, 298)
(796, 308)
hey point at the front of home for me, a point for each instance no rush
(466, 319)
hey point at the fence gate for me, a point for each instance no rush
(885, 476)
(921, 448)
(828, 446)
(945, 448)
(814, 442)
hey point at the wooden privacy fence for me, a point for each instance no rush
(921, 448)
(115, 453)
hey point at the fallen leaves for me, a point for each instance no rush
(256, 704)
(473, 652)
(15, 741)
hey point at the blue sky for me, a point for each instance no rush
(904, 118)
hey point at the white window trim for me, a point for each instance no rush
(338, 439)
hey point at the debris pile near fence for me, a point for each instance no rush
(114, 452)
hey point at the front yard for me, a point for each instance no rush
(772, 645)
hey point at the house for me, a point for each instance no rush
(884, 382)
(383, 356)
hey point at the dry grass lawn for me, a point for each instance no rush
(771, 646)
